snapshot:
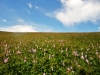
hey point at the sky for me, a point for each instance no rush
(50, 15)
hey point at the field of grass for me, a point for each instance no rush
(49, 53)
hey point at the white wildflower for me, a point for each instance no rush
(82, 57)
(44, 73)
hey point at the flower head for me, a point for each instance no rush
(24, 60)
(34, 50)
(6, 60)
(18, 52)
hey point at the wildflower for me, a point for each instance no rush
(66, 49)
(6, 45)
(8, 51)
(99, 56)
(34, 50)
(82, 57)
(96, 53)
(63, 63)
(85, 56)
(24, 60)
(49, 56)
(52, 68)
(75, 53)
(88, 49)
(68, 70)
(18, 52)
(67, 54)
(91, 58)
(44, 50)
(5, 48)
(44, 53)
(87, 61)
(62, 51)
(71, 67)
(44, 73)
(52, 55)
(35, 61)
(6, 60)
(37, 46)
(7, 54)
(78, 65)
(73, 71)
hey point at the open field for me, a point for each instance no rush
(49, 53)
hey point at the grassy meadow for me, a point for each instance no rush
(49, 53)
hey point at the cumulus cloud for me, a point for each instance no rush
(76, 11)
(19, 28)
(30, 5)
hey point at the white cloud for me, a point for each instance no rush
(27, 10)
(76, 11)
(49, 14)
(30, 5)
(20, 20)
(19, 28)
(36, 7)
(4, 20)
(26, 26)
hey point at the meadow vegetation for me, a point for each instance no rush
(49, 53)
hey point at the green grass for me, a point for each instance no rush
(50, 53)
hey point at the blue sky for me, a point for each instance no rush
(50, 15)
